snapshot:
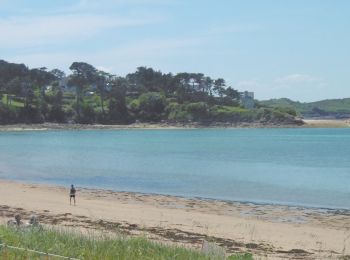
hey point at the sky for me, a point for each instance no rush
(298, 49)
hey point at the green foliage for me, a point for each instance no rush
(88, 114)
(118, 112)
(275, 115)
(287, 110)
(151, 106)
(177, 112)
(329, 107)
(8, 115)
(232, 114)
(91, 96)
(56, 114)
(199, 110)
(134, 106)
(93, 246)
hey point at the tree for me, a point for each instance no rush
(219, 87)
(56, 112)
(147, 79)
(58, 74)
(232, 94)
(83, 74)
(28, 92)
(102, 80)
(118, 112)
(152, 106)
(41, 79)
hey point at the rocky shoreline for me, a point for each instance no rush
(163, 125)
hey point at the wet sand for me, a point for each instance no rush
(272, 231)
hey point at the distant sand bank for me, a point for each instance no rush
(327, 123)
(312, 123)
(266, 230)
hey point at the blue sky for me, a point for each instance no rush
(298, 49)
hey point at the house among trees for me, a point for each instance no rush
(88, 95)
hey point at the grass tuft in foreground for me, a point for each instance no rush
(85, 246)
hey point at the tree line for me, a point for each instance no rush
(89, 95)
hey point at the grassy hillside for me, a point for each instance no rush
(93, 247)
(337, 108)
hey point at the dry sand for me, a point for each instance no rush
(265, 230)
(308, 123)
(326, 123)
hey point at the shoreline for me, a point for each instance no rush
(141, 126)
(262, 229)
(328, 209)
(308, 123)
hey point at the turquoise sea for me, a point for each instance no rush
(306, 167)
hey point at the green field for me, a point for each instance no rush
(12, 102)
(92, 246)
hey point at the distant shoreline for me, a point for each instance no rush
(54, 126)
(308, 123)
(326, 123)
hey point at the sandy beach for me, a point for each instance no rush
(327, 123)
(308, 123)
(268, 231)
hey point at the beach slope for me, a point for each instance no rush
(265, 230)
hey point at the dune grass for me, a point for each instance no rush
(92, 246)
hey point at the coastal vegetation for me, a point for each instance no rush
(88, 96)
(90, 246)
(329, 108)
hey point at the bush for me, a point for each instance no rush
(56, 114)
(31, 114)
(134, 106)
(88, 114)
(287, 110)
(8, 115)
(176, 112)
(232, 114)
(118, 112)
(151, 106)
(275, 115)
(198, 110)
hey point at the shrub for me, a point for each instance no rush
(151, 106)
(88, 114)
(8, 115)
(232, 114)
(177, 112)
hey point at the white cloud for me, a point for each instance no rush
(297, 79)
(120, 59)
(29, 32)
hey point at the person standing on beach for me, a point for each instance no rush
(72, 194)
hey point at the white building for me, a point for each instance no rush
(247, 99)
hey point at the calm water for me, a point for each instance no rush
(308, 167)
